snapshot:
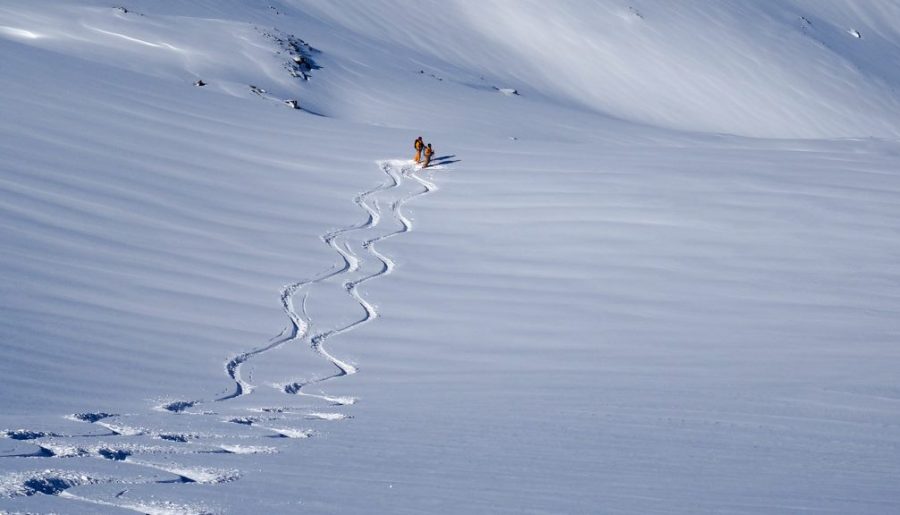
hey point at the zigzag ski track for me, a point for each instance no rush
(396, 171)
(128, 446)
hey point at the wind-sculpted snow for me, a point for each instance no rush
(396, 172)
(130, 444)
(49, 482)
(635, 293)
(340, 241)
(765, 69)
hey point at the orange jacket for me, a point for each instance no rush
(418, 144)
(428, 151)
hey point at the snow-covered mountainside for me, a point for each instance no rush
(654, 268)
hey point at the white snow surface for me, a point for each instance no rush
(663, 276)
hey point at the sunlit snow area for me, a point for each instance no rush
(654, 266)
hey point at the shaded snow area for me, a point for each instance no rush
(653, 268)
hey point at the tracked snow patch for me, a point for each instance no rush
(326, 416)
(292, 433)
(116, 452)
(177, 437)
(244, 421)
(29, 449)
(122, 429)
(152, 507)
(48, 482)
(90, 417)
(24, 434)
(271, 410)
(202, 475)
(248, 449)
(65, 450)
(176, 406)
(340, 401)
(295, 389)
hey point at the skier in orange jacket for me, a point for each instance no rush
(428, 153)
(418, 144)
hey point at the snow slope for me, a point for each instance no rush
(764, 68)
(661, 278)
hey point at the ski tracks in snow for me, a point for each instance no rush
(397, 171)
(359, 263)
(342, 241)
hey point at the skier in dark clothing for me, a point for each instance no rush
(418, 145)
(428, 153)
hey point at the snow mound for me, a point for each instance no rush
(248, 449)
(292, 433)
(48, 482)
(124, 430)
(202, 475)
(25, 434)
(90, 417)
(176, 406)
(326, 416)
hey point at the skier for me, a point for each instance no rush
(418, 144)
(428, 153)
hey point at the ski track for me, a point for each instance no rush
(298, 329)
(396, 171)
(300, 321)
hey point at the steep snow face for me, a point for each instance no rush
(792, 69)
(765, 69)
